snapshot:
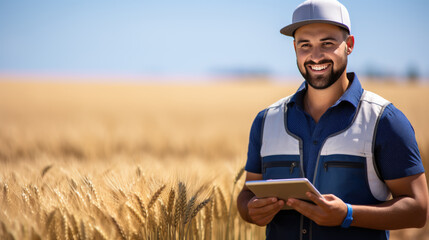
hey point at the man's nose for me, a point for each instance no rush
(317, 54)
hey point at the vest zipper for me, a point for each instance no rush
(292, 166)
(288, 164)
(326, 165)
(334, 134)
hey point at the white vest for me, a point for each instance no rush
(340, 155)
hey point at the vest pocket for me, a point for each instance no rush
(280, 166)
(346, 177)
(331, 164)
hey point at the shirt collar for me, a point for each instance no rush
(352, 94)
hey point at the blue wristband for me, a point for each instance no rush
(349, 217)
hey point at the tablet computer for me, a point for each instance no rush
(283, 189)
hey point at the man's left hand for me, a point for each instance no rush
(328, 211)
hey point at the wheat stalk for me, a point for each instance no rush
(70, 233)
(223, 204)
(36, 193)
(26, 198)
(170, 205)
(74, 230)
(195, 211)
(34, 235)
(139, 172)
(54, 226)
(141, 205)
(5, 232)
(99, 234)
(50, 219)
(119, 229)
(64, 222)
(237, 177)
(80, 197)
(135, 214)
(91, 186)
(208, 220)
(83, 231)
(60, 197)
(98, 212)
(72, 184)
(200, 206)
(155, 196)
(189, 208)
(119, 196)
(180, 204)
(164, 220)
(45, 170)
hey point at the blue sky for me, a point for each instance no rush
(191, 37)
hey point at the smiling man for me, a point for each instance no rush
(356, 148)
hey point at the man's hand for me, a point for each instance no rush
(262, 210)
(328, 211)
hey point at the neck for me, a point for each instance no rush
(317, 101)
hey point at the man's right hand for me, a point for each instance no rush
(262, 210)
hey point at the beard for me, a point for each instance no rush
(323, 81)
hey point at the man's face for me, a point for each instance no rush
(321, 53)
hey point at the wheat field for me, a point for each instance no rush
(129, 160)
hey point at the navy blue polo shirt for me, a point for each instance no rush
(396, 151)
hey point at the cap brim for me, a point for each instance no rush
(289, 30)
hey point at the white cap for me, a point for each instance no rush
(318, 11)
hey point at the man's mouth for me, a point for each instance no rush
(319, 67)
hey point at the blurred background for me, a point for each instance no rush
(193, 40)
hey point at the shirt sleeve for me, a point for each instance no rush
(396, 150)
(253, 163)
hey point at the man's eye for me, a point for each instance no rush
(327, 44)
(305, 45)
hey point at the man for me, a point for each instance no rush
(355, 147)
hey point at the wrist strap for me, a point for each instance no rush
(349, 217)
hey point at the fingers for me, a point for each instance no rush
(320, 201)
(263, 210)
(265, 206)
(302, 207)
(328, 211)
(260, 202)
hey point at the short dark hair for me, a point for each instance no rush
(345, 32)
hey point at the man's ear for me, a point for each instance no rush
(350, 43)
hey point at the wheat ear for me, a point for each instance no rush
(180, 204)
(83, 230)
(135, 214)
(195, 212)
(45, 170)
(139, 172)
(34, 235)
(188, 209)
(74, 229)
(170, 205)
(119, 229)
(223, 204)
(99, 234)
(155, 196)
(64, 223)
(200, 206)
(141, 205)
(91, 186)
(208, 220)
